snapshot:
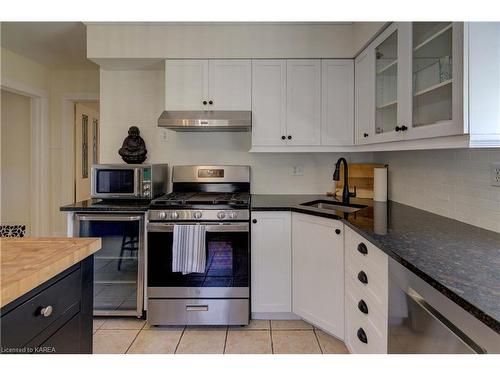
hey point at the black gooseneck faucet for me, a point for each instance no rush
(346, 195)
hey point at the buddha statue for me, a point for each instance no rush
(133, 150)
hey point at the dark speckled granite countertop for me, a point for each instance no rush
(460, 260)
(100, 205)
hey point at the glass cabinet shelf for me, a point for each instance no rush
(432, 67)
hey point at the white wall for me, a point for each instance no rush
(16, 159)
(136, 98)
(230, 40)
(452, 183)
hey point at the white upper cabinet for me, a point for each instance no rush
(303, 111)
(392, 90)
(364, 99)
(436, 79)
(318, 272)
(269, 102)
(208, 85)
(337, 112)
(230, 85)
(186, 84)
(271, 263)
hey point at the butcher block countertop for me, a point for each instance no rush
(28, 262)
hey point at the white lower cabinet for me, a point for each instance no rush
(366, 299)
(271, 264)
(318, 272)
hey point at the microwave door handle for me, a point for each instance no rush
(137, 182)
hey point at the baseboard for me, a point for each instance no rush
(275, 316)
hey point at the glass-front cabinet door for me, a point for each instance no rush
(118, 265)
(437, 79)
(391, 88)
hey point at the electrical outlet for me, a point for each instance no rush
(298, 170)
(495, 174)
(164, 135)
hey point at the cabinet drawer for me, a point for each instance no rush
(25, 322)
(198, 311)
(376, 286)
(364, 254)
(359, 326)
(373, 314)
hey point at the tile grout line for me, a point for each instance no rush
(126, 351)
(180, 338)
(317, 340)
(225, 340)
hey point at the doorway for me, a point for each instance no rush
(16, 153)
(86, 146)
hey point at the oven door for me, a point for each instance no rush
(227, 268)
(111, 182)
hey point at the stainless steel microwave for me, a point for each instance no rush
(128, 181)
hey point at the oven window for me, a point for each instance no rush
(115, 181)
(226, 265)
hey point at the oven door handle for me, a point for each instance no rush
(110, 217)
(210, 227)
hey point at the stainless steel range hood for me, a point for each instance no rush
(211, 121)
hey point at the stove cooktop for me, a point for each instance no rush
(205, 200)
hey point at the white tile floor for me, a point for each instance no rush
(133, 336)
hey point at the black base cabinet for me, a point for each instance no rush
(54, 318)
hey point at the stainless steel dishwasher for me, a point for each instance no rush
(424, 321)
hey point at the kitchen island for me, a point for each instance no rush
(46, 294)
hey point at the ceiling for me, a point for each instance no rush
(55, 44)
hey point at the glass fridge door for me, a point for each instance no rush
(118, 266)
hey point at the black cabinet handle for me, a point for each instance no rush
(362, 277)
(362, 336)
(362, 248)
(210, 102)
(404, 128)
(397, 128)
(365, 135)
(337, 231)
(204, 102)
(283, 137)
(289, 137)
(363, 307)
(254, 221)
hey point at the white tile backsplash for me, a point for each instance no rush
(452, 183)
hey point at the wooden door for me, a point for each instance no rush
(86, 148)
(186, 85)
(230, 85)
(271, 262)
(268, 102)
(318, 272)
(337, 120)
(303, 102)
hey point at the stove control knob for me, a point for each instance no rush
(162, 215)
(221, 215)
(174, 215)
(197, 215)
(233, 215)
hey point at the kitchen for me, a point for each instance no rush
(340, 178)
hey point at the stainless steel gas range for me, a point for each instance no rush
(217, 197)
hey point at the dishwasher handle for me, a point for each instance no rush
(419, 300)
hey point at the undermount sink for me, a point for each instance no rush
(334, 206)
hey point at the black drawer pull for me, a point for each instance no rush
(362, 277)
(254, 221)
(362, 248)
(362, 336)
(337, 231)
(363, 307)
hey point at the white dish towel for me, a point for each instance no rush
(188, 249)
